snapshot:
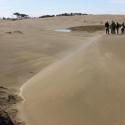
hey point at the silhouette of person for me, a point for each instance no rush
(113, 27)
(107, 27)
(117, 27)
(123, 28)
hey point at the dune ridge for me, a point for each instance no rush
(84, 88)
(44, 74)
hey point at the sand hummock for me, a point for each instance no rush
(8, 110)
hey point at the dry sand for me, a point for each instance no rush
(72, 78)
(86, 88)
(27, 46)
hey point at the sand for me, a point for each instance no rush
(85, 88)
(65, 78)
(28, 46)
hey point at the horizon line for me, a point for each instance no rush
(87, 14)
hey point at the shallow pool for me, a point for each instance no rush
(63, 30)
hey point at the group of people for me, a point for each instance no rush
(114, 28)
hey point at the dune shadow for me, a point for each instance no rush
(89, 28)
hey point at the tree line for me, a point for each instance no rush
(25, 16)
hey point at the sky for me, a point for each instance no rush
(43, 7)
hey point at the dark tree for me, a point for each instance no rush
(17, 14)
(20, 16)
(23, 16)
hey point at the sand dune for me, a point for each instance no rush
(74, 78)
(28, 46)
(86, 88)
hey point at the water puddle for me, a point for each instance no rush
(63, 30)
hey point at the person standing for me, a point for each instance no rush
(123, 28)
(107, 27)
(117, 27)
(113, 28)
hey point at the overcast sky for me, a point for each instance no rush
(40, 7)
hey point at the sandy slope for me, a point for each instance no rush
(24, 54)
(86, 88)
(33, 45)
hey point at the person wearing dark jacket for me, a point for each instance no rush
(117, 27)
(113, 27)
(123, 28)
(107, 26)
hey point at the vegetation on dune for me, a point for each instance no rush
(8, 111)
